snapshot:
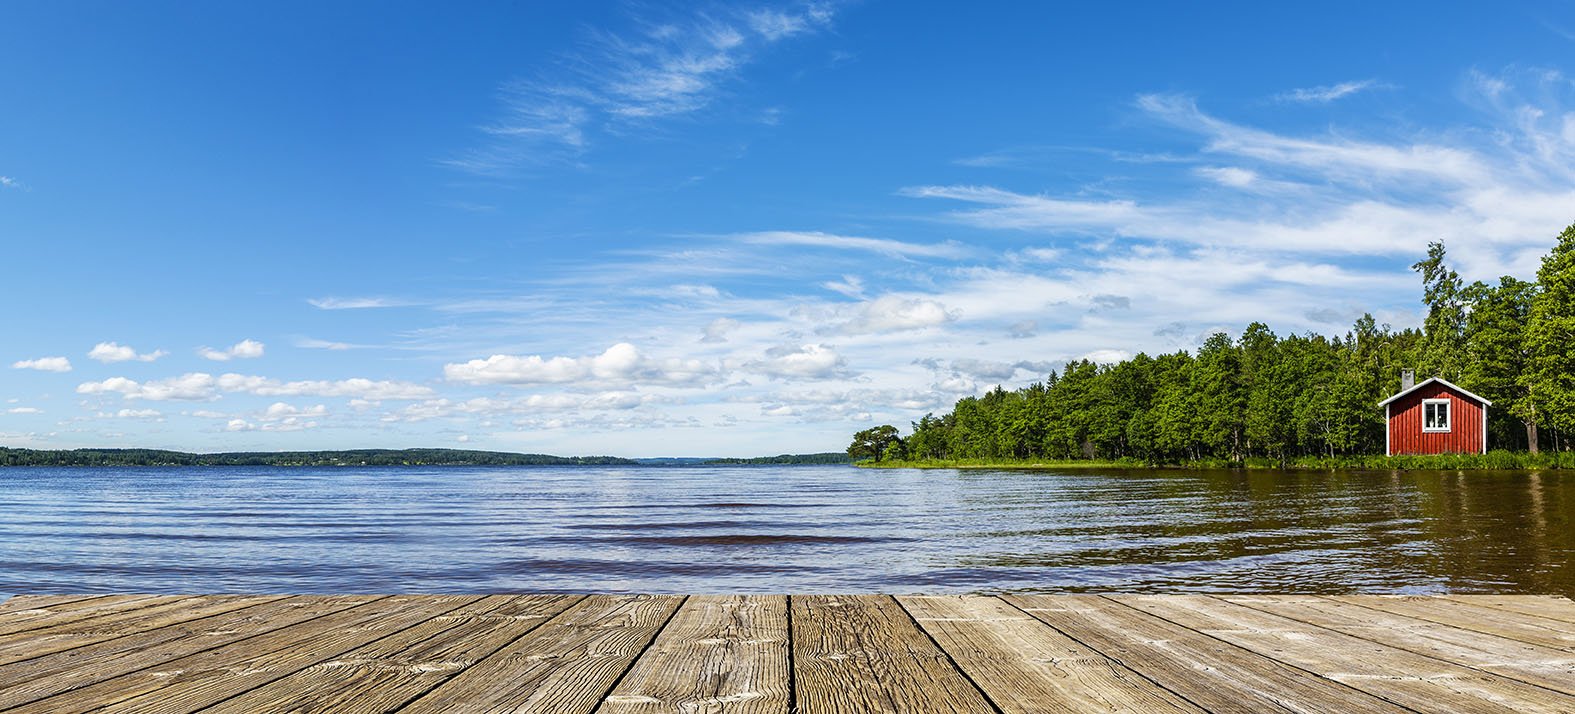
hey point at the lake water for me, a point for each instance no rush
(780, 529)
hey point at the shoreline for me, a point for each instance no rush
(1507, 461)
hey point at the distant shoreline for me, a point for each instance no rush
(159, 458)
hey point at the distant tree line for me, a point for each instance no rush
(1266, 396)
(358, 457)
(833, 457)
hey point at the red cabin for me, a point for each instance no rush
(1435, 417)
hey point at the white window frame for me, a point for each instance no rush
(1449, 416)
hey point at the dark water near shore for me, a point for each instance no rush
(780, 529)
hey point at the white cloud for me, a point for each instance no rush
(194, 386)
(133, 414)
(109, 352)
(280, 410)
(245, 349)
(355, 387)
(1329, 93)
(718, 329)
(893, 313)
(316, 344)
(850, 285)
(442, 408)
(1232, 176)
(622, 362)
(24, 410)
(672, 68)
(9, 182)
(883, 246)
(356, 303)
(200, 386)
(44, 364)
(813, 361)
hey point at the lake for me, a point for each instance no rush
(800, 529)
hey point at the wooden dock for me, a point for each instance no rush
(629, 654)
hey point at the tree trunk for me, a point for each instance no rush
(1531, 436)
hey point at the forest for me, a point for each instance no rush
(1264, 396)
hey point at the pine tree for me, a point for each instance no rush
(1446, 316)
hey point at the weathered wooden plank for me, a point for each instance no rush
(862, 653)
(1542, 666)
(1514, 626)
(1551, 607)
(719, 653)
(33, 679)
(53, 615)
(381, 676)
(1024, 665)
(21, 646)
(1406, 678)
(199, 680)
(36, 602)
(1218, 676)
(565, 666)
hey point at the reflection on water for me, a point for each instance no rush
(780, 529)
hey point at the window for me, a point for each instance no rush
(1435, 415)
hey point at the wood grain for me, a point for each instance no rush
(190, 683)
(720, 653)
(1549, 607)
(1403, 677)
(565, 666)
(40, 677)
(865, 654)
(1026, 666)
(383, 675)
(1542, 666)
(1515, 626)
(1216, 675)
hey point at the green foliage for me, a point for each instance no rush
(1550, 337)
(360, 457)
(871, 444)
(1446, 316)
(1265, 400)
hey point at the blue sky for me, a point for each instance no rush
(733, 229)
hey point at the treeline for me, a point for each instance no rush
(357, 457)
(1263, 396)
(832, 457)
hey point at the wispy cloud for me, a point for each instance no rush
(311, 343)
(201, 386)
(44, 364)
(354, 303)
(111, 352)
(9, 182)
(1328, 93)
(884, 246)
(245, 349)
(667, 69)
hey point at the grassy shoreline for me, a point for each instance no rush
(1491, 461)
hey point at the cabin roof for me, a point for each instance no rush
(1439, 380)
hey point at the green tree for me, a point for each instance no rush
(1496, 346)
(1446, 316)
(1550, 337)
(872, 443)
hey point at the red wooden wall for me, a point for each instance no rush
(1405, 424)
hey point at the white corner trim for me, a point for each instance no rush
(1389, 430)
